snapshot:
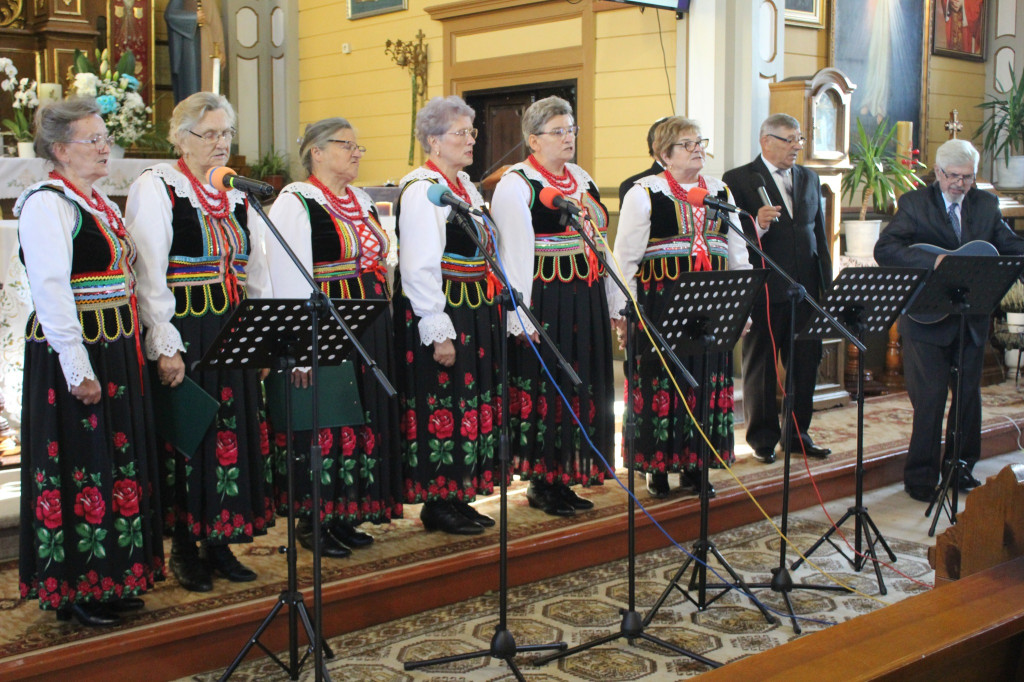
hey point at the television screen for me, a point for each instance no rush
(676, 5)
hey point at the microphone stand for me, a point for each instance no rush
(320, 308)
(632, 626)
(781, 580)
(503, 644)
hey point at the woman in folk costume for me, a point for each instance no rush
(91, 539)
(661, 237)
(334, 230)
(447, 331)
(559, 277)
(200, 254)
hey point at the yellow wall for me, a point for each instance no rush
(953, 84)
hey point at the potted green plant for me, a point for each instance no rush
(1003, 129)
(23, 91)
(878, 172)
(271, 168)
(1013, 305)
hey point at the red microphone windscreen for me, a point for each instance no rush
(548, 196)
(695, 196)
(218, 176)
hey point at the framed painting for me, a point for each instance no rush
(883, 48)
(808, 13)
(958, 29)
(358, 9)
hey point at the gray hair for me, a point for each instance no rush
(777, 122)
(542, 111)
(667, 132)
(316, 136)
(437, 115)
(54, 121)
(956, 153)
(191, 110)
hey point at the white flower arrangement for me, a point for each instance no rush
(25, 98)
(127, 117)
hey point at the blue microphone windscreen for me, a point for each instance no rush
(435, 192)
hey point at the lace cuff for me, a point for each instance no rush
(74, 362)
(515, 329)
(435, 328)
(163, 339)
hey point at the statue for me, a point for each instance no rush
(195, 38)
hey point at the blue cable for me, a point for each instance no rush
(611, 470)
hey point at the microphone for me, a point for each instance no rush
(556, 201)
(223, 178)
(763, 193)
(439, 195)
(698, 196)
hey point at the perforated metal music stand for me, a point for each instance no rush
(866, 301)
(706, 315)
(961, 285)
(279, 333)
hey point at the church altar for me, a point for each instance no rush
(17, 174)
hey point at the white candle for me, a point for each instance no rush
(215, 86)
(49, 92)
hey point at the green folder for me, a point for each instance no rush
(183, 413)
(339, 398)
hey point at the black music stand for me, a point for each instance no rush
(961, 285)
(866, 301)
(503, 643)
(707, 314)
(279, 333)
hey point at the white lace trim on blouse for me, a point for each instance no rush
(583, 179)
(309, 191)
(436, 328)
(74, 362)
(163, 339)
(422, 173)
(69, 194)
(183, 188)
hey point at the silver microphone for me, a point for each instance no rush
(763, 193)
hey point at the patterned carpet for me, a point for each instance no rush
(403, 543)
(578, 607)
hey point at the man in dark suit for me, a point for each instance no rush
(792, 233)
(655, 168)
(946, 214)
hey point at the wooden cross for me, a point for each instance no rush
(953, 125)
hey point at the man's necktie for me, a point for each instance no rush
(954, 218)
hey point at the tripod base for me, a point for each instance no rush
(948, 495)
(503, 646)
(294, 601)
(782, 582)
(631, 627)
(698, 582)
(864, 529)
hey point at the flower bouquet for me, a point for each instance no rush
(117, 92)
(25, 98)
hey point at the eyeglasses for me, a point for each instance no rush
(472, 132)
(215, 136)
(965, 178)
(349, 145)
(97, 141)
(796, 139)
(690, 145)
(562, 132)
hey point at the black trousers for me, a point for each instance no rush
(927, 369)
(760, 405)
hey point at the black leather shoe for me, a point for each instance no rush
(93, 615)
(348, 535)
(442, 516)
(223, 563)
(921, 493)
(125, 604)
(967, 482)
(765, 455)
(657, 485)
(692, 479)
(470, 512)
(329, 545)
(569, 496)
(545, 497)
(190, 570)
(812, 450)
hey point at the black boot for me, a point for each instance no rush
(545, 497)
(657, 484)
(223, 563)
(191, 571)
(347, 534)
(329, 546)
(692, 479)
(570, 497)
